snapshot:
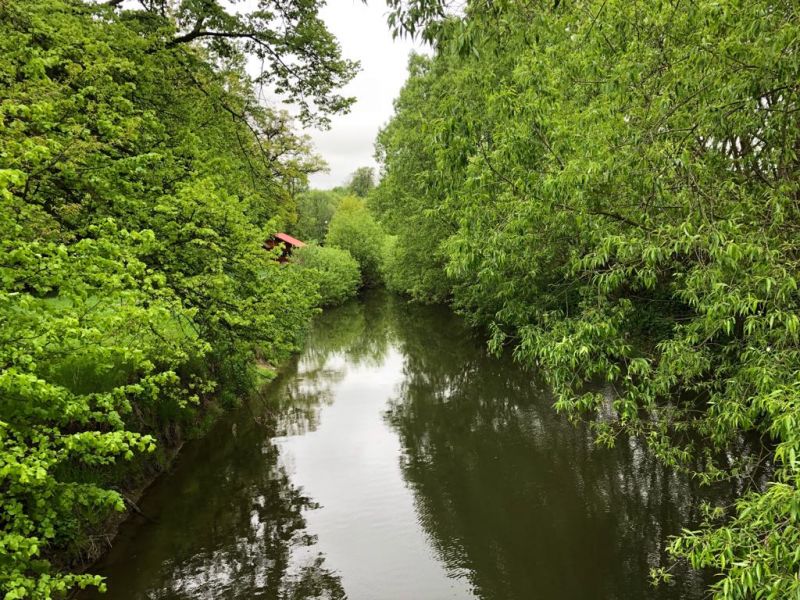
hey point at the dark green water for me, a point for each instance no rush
(394, 460)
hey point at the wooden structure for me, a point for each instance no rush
(287, 244)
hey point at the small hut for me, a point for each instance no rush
(287, 244)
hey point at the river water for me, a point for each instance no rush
(393, 459)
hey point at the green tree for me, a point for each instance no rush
(299, 57)
(134, 290)
(405, 204)
(361, 182)
(315, 209)
(354, 229)
(615, 189)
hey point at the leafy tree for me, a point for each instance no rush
(414, 263)
(615, 189)
(361, 182)
(300, 58)
(336, 273)
(354, 229)
(315, 209)
(134, 290)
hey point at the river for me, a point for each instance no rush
(391, 460)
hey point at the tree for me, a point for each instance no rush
(315, 209)
(354, 229)
(616, 199)
(134, 289)
(361, 181)
(299, 56)
(414, 262)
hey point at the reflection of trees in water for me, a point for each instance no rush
(246, 549)
(292, 402)
(362, 331)
(512, 496)
(230, 525)
(516, 498)
(357, 333)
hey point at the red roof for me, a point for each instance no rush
(285, 237)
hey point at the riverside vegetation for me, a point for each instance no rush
(609, 189)
(139, 176)
(612, 189)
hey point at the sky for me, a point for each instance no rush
(363, 35)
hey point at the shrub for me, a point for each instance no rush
(336, 272)
(354, 229)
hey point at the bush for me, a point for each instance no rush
(336, 272)
(354, 229)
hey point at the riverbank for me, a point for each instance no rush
(101, 540)
(136, 289)
(149, 470)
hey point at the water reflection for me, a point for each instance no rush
(227, 522)
(395, 460)
(362, 333)
(518, 497)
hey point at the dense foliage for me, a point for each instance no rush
(612, 189)
(315, 210)
(139, 176)
(335, 272)
(361, 182)
(410, 196)
(353, 228)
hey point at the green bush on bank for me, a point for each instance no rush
(335, 272)
(353, 228)
(405, 267)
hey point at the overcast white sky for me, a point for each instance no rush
(363, 34)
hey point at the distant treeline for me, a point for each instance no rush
(612, 190)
